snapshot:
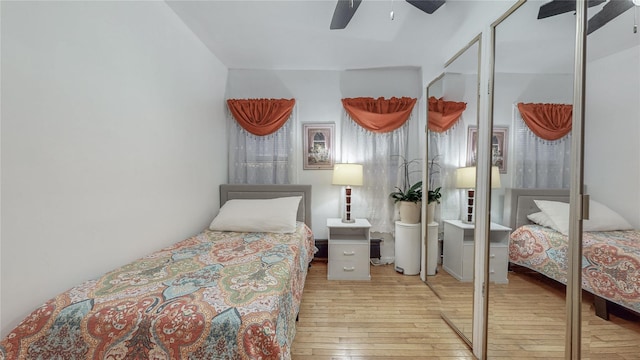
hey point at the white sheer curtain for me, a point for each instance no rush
(540, 163)
(261, 159)
(378, 152)
(447, 153)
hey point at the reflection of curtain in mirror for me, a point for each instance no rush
(539, 163)
(376, 151)
(261, 159)
(448, 150)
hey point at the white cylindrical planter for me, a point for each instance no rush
(432, 248)
(410, 211)
(407, 248)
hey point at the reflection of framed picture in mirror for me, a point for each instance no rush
(499, 147)
(318, 146)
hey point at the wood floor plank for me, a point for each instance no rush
(397, 317)
(393, 316)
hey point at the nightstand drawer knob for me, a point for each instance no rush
(492, 256)
(349, 268)
(348, 253)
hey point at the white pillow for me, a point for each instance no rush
(541, 218)
(258, 215)
(557, 213)
(601, 218)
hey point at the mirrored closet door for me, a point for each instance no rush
(533, 73)
(452, 119)
(611, 253)
(534, 82)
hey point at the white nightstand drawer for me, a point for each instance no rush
(349, 251)
(348, 270)
(498, 264)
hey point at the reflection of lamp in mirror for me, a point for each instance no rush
(348, 175)
(466, 179)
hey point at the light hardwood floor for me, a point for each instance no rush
(396, 316)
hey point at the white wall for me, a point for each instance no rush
(113, 141)
(318, 95)
(612, 130)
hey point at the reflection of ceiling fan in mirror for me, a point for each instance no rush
(346, 8)
(609, 11)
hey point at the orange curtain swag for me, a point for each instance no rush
(547, 121)
(261, 116)
(379, 115)
(443, 114)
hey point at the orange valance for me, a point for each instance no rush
(443, 114)
(379, 115)
(548, 121)
(261, 116)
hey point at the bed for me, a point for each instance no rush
(216, 295)
(610, 259)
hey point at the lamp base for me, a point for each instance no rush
(346, 217)
(469, 216)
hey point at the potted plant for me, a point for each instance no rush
(433, 198)
(433, 195)
(409, 196)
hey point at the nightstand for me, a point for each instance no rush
(458, 248)
(349, 245)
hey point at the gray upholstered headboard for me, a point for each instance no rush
(518, 203)
(243, 191)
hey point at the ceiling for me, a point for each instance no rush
(295, 35)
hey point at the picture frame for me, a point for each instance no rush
(318, 146)
(499, 147)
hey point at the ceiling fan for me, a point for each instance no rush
(609, 11)
(346, 8)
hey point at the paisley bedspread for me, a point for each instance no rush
(610, 260)
(217, 295)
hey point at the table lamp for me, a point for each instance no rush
(347, 175)
(466, 179)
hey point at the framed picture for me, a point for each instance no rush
(499, 147)
(318, 146)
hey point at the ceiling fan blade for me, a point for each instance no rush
(343, 13)
(557, 7)
(609, 12)
(428, 6)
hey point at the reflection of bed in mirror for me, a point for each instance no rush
(610, 259)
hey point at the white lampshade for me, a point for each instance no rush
(495, 177)
(347, 174)
(466, 177)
